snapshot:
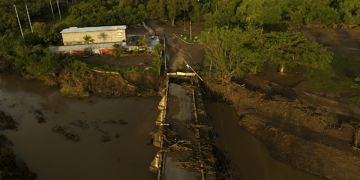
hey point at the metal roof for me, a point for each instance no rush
(101, 28)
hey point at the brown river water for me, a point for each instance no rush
(52, 157)
(250, 159)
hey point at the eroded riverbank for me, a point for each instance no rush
(52, 156)
(318, 139)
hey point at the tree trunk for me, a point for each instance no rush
(282, 67)
(172, 22)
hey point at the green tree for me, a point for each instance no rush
(292, 48)
(159, 47)
(232, 52)
(88, 39)
(142, 41)
(42, 31)
(157, 64)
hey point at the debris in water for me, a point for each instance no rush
(105, 138)
(80, 124)
(91, 101)
(110, 122)
(117, 135)
(66, 133)
(40, 119)
(83, 112)
(122, 122)
(6, 122)
(39, 112)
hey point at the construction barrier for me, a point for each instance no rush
(78, 52)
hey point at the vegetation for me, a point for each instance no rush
(119, 49)
(142, 41)
(159, 47)
(88, 39)
(136, 51)
(186, 38)
(232, 52)
(291, 48)
(336, 77)
(157, 64)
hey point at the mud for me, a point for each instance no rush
(297, 128)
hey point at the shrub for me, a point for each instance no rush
(136, 51)
(159, 47)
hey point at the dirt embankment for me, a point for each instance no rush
(113, 85)
(309, 132)
(106, 84)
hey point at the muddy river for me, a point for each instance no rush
(53, 157)
(129, 152)
(250, 159)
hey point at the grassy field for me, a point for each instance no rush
(186, 38)
(339, 77)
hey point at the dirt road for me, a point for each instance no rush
(177, 50)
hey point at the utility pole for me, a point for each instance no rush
(52, 10)
(164, 53)
(29, 18)
(19, 22)
(190, 30)
(184, 19)
(58, 8)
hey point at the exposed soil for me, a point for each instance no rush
(306, 131)
(141, 61)
(176, 50)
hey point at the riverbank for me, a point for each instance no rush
(83, 80)
(308, 132)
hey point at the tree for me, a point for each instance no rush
(156, 65)
(142, 41)
(292, 48)
(88, 39)
(42, 30)
(232, 52)
(159, 47)
(169, 8)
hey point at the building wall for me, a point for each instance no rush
(77, 37)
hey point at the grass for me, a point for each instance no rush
(321, 81)
(186, 38)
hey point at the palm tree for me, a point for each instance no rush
(142, 41)
(88, 39)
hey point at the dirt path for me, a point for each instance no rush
(337, 41)
(177, 50)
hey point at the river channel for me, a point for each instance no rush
(129, 152)
(53, 157)
(250, 159)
